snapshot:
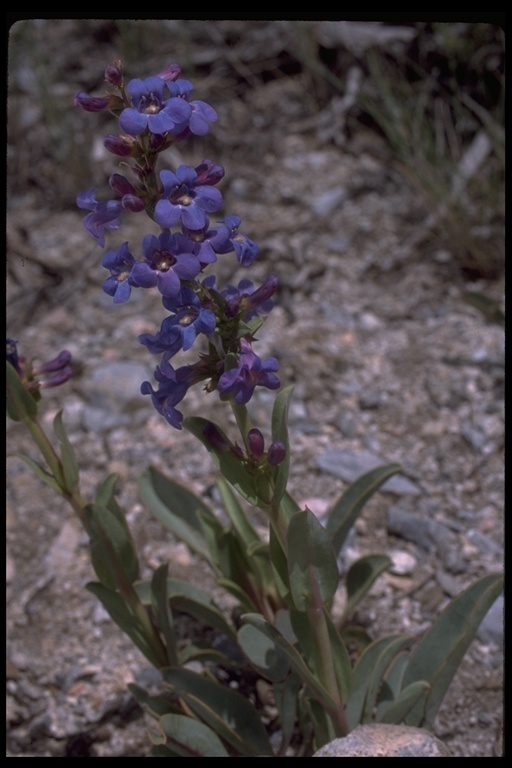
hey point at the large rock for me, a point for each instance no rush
(379, 740)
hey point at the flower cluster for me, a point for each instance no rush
(153, 114)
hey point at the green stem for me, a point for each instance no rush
(243, 419)
(325, 664)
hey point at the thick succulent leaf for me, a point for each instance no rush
(367, 677)
(231, 466)
(340, 656)
(191, 738)
(163, 614)
(21, 406)
(41, 472)
(187, 598)
(237, 515)
(155, 705)
(68, 458)
(229, 714)
(397, 711)
(438, 654)
(392, 682)
(360, 578)
(285, 696)
(279, 568)
(297, 662)
(312, 567)
(263, 653)
(347, 509)
(280, 432)
(176, 507)
(112, 549)
(120, 612)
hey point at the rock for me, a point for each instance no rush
(427, 534)
(349, 465)
(380, 740)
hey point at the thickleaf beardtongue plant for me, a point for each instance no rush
(153, 114)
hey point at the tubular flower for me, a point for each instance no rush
(250, 372)
(151, 110)
(201, 114)
(166, 263)
(179, 331)
(249, 303)
(246, 250)
(105, 214)
(185, 199)
(120, 264)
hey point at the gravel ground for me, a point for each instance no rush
(389, 364)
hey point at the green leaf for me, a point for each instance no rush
(229, 714)
(162, 610)
(68, 458)
(263, 653)
(280, 432)
(397, 711)
(191, 738)
(112, 548)
(230, 465)
(285, 696)
(341, 659)
(279, 568)
(346, 510)
(438, 654)
(21, 406)
(297, 662)
(124, 617)
(155, 705)
(360, 577)
(41, 472)
(367, 677)
(177, 508)
(236, 514)
(187, 598)
(312, 565)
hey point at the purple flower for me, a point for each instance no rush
(167, 261)
(122, 146)
(249, 303)
(105, 215)
(276, 453)
(185, 199)
(246, 250)
(151, 110)
(120, 263)
(169, 393)
(201, 114)
(179, 331)
(250, 372)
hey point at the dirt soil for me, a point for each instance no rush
(369, 324)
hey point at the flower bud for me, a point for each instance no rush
(209, 172)
(91, 103)
(121, 185)
(118, 145)
(133, 203)
(276, 453)
(58, 378)
(255, 443)
(171, 72)
(114, 73)
(57, 364)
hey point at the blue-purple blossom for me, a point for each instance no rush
(150, 109)
(105, 214)
(167, 261)
(185, 199)
(201, 115)
(250, 372)
(91, 103)
(247, 302)
(129, 198)
(120, 264)
(169, 393)
(179, 331)
(246, 249)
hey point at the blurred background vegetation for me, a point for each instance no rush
(433, 92)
